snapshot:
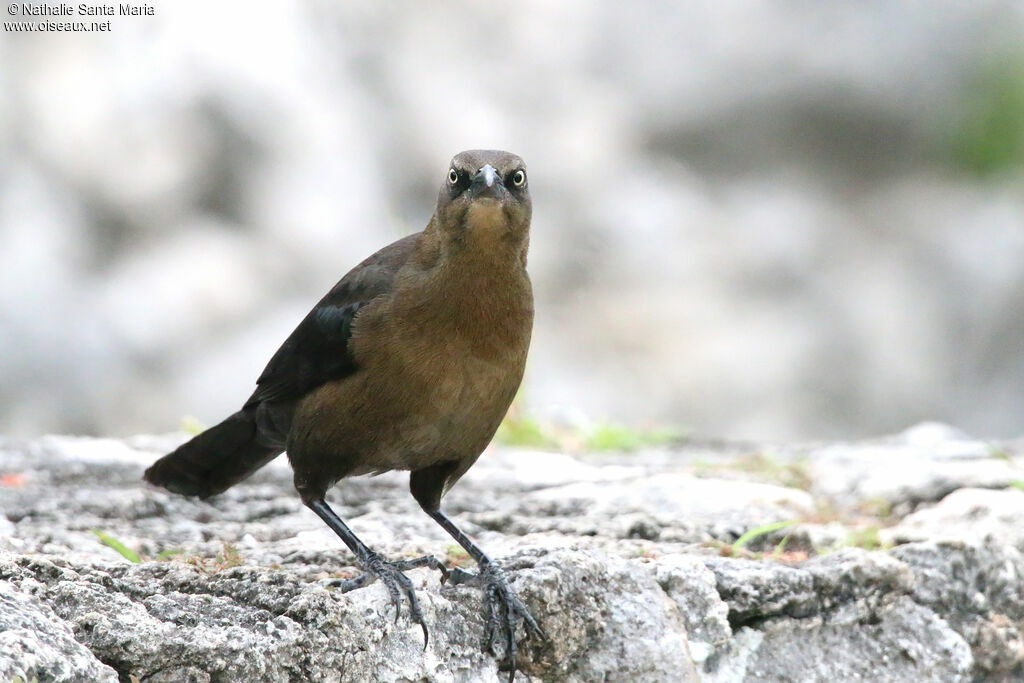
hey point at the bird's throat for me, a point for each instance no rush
(486, 220)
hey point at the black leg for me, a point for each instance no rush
(376, 567)
(503, 606)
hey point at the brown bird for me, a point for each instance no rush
(409, 363)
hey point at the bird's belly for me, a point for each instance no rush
(453, 416)
(397, 416)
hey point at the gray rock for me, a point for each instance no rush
(901, 642)
(36, 644)
(977, 588)
(966, 514)
(688, 580)
(626, 561)
(646, 507)
(172, 621)
(848, 612)
(922, 464)
(610, 621)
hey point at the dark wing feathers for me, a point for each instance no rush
(335, 320)
(317, 351)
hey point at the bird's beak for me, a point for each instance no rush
(486, 183)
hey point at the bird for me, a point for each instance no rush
(409, 362)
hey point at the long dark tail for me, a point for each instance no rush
(215, 460)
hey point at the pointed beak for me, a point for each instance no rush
(488, 173)
(486, 183)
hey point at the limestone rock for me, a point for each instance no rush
(629, 563)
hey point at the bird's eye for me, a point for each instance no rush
(519, 178)
(453, 176)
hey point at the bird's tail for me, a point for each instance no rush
(215, 460)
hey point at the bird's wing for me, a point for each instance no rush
(317, 351)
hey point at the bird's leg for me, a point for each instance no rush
(376, 567)
(503, 607)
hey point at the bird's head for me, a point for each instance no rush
(485, 192)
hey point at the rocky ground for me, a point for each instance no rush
(903, 562)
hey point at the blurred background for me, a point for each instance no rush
(752, 219)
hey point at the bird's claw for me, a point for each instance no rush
(504, 611)
(395, 581)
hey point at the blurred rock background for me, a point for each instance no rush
(752, 219)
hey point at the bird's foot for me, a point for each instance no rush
(503, 611)
(395, 581)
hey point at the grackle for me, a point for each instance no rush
(409, 363)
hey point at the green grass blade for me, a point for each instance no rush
(757, 532)
(125, 552)
(781, 547)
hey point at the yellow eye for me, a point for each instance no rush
(519, 178)
(453, 176)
